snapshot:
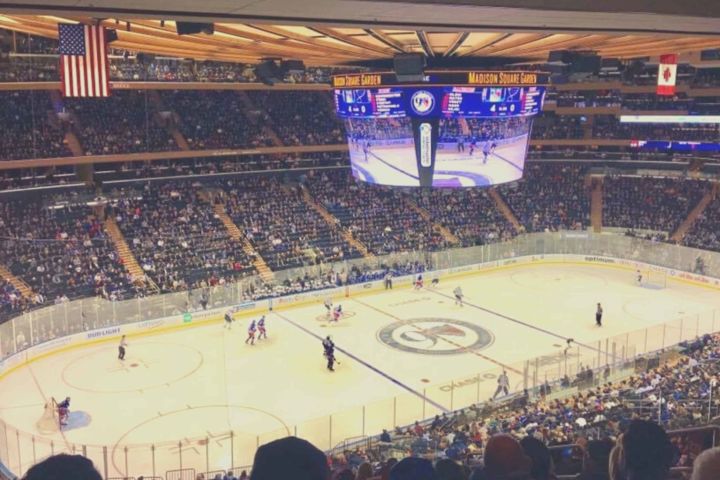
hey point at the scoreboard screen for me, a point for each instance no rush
(451, 129)
(439, 102)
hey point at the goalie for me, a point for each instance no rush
(64, 411)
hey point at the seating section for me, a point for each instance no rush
(286, 231)
(177, 238)
(550, 125)
(550, 197)
(125, 122)
(60, 252)
(11, 302)
(648, 203)
(470, 214)
(301, 118)
(215, 119)
(705, 232)
(379, 217)
(598, 411)
(26, 129)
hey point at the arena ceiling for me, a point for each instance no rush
(333, 32)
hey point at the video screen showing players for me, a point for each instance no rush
(461, 152)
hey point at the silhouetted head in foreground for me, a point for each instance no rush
(63, 467)
(289, 458)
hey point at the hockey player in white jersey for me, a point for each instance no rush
(458, 296)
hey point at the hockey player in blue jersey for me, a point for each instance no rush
(262, 333)
(251, 333)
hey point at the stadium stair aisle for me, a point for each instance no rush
(171, 127)
(505, 209)
(267, 129)
(596, 203)
(445, 232)
(687, 224)
(334, 223)
(71, 138)
(258, 262)
(129, 261)
(16, 282)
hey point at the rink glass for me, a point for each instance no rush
(620, 356)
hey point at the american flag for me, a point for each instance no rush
(83, 61)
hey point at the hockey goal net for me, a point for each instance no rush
(655, 279)
(50, 420)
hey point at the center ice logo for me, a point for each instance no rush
(435, 336)
(422, 102)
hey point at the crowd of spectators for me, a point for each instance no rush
(649, 203)
(589, 422)
(11, 301)
(177, 238)
(126, 122)
(286, 231)
(61, 252)
(705, 232)
(217, 119)
(470, 214)
(145, 121)
(181, 243)
(549, 125)
(26, 128)
(379, 217)
(550, 197)
(301, 117)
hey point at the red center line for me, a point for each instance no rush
(462, 348)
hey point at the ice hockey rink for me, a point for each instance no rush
(404, 354)
(396, 165)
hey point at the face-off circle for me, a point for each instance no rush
(345, 315)
(435, 336)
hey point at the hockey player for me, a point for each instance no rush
(262, 333)
(328, 307)
(639, 277)
(487, 150)
(229, 319)
(329, 353)
(64, 411)
(328, 344)
(458, 296)
(121, 348)
(337, 313)
(251, 333)
(419, 282)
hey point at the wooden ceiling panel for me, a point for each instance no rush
(326, 45)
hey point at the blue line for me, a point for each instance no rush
(507, 161)
(394, 167)
(515, 320)
(374, 369)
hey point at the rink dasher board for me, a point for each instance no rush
(248, 309)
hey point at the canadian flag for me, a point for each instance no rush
(667, 74)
